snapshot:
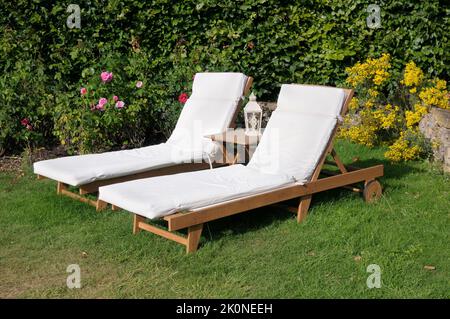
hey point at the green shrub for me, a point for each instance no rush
(24, 96)
(163, 42)
(125, 110)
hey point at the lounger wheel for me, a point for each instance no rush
(372, 191)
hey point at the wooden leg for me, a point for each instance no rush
(136, 220)
(101, 205)
(83, 191)
(194, 233)
(115, 208)
(303, 207)
(60, 188)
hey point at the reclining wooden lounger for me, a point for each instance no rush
(212, 107)
(286, 165)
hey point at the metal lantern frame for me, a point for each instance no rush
(252, 116)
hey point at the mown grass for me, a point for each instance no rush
(263, 253)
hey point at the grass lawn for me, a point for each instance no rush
(263, 253)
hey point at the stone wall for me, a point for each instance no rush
(436, 127)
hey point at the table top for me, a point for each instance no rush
(236, 136)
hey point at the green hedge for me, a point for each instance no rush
(310, 41)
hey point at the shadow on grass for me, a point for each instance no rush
(266, 216)
(391, 170)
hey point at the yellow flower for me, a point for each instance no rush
(412, 118)
(380, 77)
(436, 96)
(369, 104)
(374, 70)
(413, 75)
(441, 84)
(403, 150)
(388, 117)
(373, 92)
(354, 103)
(361, 134)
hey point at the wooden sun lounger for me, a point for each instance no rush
(347, 177)
(63, 189)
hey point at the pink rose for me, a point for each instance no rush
(83, 91)
(29, 127)
(182, 98)
(120, 104)
(139, 84)
(25, 122)
(100, 107)
(115, 98)
(106, 76)
(102, 101)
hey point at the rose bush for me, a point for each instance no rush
(115, 106)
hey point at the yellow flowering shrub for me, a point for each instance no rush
(373, 70)
(364, 132)
(387, 117)
(403, 150)
(413, 117)
(436, 95)
(388, 110)
(412, 76)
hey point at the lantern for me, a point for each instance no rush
(253, 116)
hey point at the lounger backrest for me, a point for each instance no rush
(210, 108)
(311, 99)
(218, 85)
(298, 131)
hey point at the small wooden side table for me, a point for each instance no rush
(238, 143)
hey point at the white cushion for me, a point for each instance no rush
(201, 117)
(311, 99)
(292, 144)
(203, 114)
(163, 195)
(83, 169)
(219, 85)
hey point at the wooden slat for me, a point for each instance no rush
(338, 161)
(78, 197)
(340, 180)
(202, 215)
(163, 233)
(248, 86)
(352, 188)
